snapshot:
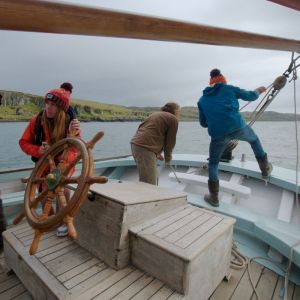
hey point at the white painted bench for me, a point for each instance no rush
(225, 186)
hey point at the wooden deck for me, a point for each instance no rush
(130, 283)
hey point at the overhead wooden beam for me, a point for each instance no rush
(294, 4)
(53, 17)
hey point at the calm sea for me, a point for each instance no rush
(278, 139)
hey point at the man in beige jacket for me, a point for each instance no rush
(156, 135)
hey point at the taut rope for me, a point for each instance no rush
(272, 91)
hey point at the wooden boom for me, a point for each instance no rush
(53, 17)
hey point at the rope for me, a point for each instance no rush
(173, 170)
(243, 261)
(297, 143)
(271, 92)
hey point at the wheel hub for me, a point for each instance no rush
(53, 179)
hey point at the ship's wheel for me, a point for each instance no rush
(48, 183)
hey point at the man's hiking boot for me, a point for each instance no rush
(213, 197)
(265, 166)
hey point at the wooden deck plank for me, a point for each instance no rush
(46, 238)
(77, 270)
(178, 224)
(133, 289)
(135, 284)
(279, 286)
(266, 285)
(3, 276)
(10, 282)
(226, 288)
(105, 284)
(159, 218)
(176, 296)
(91, 283)
(67, 261)
(58, 253)
(244, 289)
(149, 290)
(24, 296)
(28, 239)
(13, 292)
(20, 228)
(162, 294)
(194, 234)
(120, 286)
(42, 253)
(172, 238)
(296, 295)
(29, 231)
(168, 220)
(84, 275)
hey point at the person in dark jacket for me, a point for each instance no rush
(219, 113)
(156, 135)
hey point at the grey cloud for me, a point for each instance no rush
(142, 73)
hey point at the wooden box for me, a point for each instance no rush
(188, 248)
(102, 225)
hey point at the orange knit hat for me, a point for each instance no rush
(60, 97)
(216, 76)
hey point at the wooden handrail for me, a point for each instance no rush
(53, 17)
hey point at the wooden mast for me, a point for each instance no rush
(52, 17)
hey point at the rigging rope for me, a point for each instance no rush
(294, 78)
(242, 260)
(272, 91)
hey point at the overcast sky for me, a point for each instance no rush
(147, 73)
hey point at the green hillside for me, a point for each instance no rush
(18, 106)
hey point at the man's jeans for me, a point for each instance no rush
(217, 147)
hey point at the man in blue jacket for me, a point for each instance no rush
(219, 112)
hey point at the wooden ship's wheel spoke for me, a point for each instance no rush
(38, 180)
(61, 198)
(71, 180)
(54, 186)
(72, 164)
(51, 162)
(39, 198)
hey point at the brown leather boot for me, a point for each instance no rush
(213, 197)
(265, 166)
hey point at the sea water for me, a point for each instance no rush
(278, 139)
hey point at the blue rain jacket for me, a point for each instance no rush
(219, 108)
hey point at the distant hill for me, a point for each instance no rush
(18, 106)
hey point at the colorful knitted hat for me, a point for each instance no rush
(216, 76)
(60, 97)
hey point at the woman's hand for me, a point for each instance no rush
(45, 147)
(74, 127)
